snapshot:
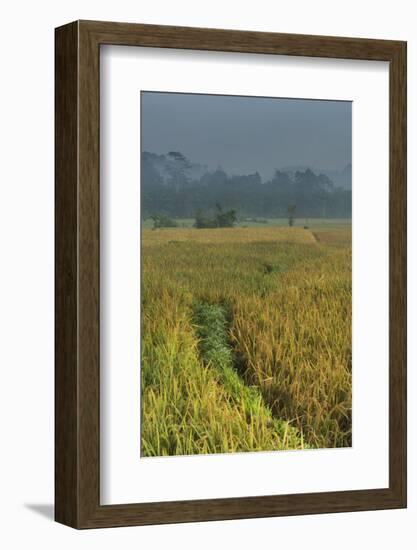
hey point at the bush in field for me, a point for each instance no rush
(202, 221)
(220, 218)
(160, 220)
(225, 219)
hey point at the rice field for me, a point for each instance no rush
(246, 339)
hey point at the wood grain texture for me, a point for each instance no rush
(78, 284)
(66, 237)
(398, 273)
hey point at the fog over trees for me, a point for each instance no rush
(173, 185)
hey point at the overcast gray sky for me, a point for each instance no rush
(248, 134)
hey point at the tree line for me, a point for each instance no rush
(174, 187)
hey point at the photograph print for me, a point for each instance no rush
(246, 274)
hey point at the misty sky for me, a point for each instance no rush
(243, 135)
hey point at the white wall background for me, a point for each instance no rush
(26, 272)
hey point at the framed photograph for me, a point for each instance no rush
(230, 274)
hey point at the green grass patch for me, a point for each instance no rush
(213, 332)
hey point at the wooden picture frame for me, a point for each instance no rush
(77, 374)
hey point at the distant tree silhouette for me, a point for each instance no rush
(291, 213)
(178, 188)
